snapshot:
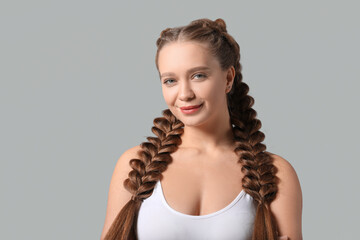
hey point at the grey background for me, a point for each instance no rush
(79, 86)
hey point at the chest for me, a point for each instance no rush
(198, 185)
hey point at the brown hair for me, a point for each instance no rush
(259, 180)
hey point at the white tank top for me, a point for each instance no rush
(158, 221)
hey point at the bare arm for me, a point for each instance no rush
(118, 196)
(287, 207)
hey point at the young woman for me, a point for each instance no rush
(206, 174)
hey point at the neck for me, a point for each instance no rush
(214, 135)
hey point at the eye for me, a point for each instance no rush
(166, 81)
(200, 74)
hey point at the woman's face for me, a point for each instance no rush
(191, 76)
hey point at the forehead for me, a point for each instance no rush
(184, 55)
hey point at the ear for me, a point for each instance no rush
(230, 79)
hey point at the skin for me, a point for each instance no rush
(192, 182)
(207, 139)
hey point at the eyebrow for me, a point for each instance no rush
(188, 71)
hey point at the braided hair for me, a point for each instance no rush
(259, 180)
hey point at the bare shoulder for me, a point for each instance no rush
(122, 164)
(284, 166)
(287, 206)
(118, 196)
(121, 172)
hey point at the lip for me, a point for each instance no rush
(190, 107)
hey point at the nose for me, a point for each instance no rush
(185, 91)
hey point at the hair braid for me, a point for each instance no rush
(154, 158)
(260, 180)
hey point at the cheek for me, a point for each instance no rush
(219, 88)
(168, 96)
(212, 92)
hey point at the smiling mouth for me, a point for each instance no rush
(191, 110)
(190, 107)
